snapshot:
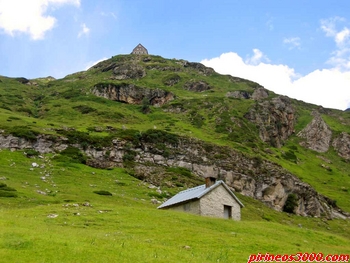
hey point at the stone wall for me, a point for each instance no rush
(212, 204)
(188, 207)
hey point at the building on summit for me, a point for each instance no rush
(214, 199)
(139, 50)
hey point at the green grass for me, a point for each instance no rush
(127, 227)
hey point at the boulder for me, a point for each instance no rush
(238, 94)
(342, 145)
(317, 134)
(197, 86)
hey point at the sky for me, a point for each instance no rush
(296, 48)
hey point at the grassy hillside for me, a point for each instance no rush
(71, 223)
(47, 221)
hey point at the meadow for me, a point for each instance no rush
(57, 217)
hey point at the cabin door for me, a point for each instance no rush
(227, 212)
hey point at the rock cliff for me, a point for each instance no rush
(131, 94)
(275, 119)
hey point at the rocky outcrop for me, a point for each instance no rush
(128, 71)
(317, 134)
(275, 119)
(200, 68)
(125, 68)
(342, 145)
(238, 94)
(197, 86)
(258, 94)
(253, 177)
(42, 144)
(131, 94)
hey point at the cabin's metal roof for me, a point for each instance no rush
(196, 193)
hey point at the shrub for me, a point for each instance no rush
(84, 109)
(180, 170)
(31, 153)
(23, 132)
(291, 203)
(72, 154)
(290, 156)
(6, 191)
(129, 156)
(102, 192)
(159, 136)
(7, 194)
(171, 79)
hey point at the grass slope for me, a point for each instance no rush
(127, 227)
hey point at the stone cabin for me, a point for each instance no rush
(139, 50)
(214, 199)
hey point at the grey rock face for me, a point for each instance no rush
(197, 86)
(342, 145)
(128, 71)
(199, 67)
(238, 94)
(260, 93)
(275, 120)
(317, 135)
(132, 94)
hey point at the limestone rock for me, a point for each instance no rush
(317, 135)
(200, 68)
(275, 120)
(128, 71)
(197, 86)
(132, 94)
(238, 94)
(260, 93)
(342, 145)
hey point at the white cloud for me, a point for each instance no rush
(84, 30)
(257, 57)
(29, 17)
(340, 57)
(292, 42)
(108, 14)
(327, 87)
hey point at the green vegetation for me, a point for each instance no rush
(60, 214)
(77, 225)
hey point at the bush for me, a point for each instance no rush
(31, 153)
(290, 156)
(6, 191)
(171, 79)
(84, 109)
(180, 170)
(159, 136)
(72, 154)
(291, 203)
(23, 132)
(102, 192)
(7, 194)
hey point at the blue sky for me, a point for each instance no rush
(296, 48)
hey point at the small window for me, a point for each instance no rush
(227, 212)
